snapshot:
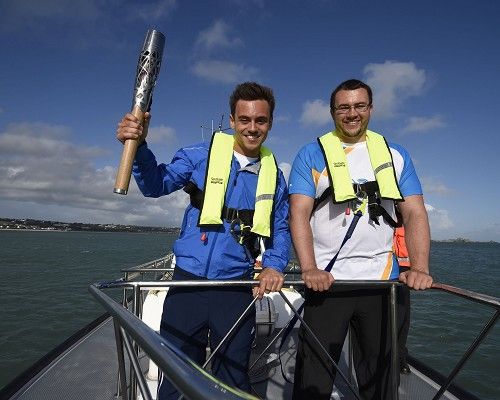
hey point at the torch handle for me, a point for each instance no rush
(128, 154)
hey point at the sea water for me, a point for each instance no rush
(45, 298)
(46, 276)
(444, 326)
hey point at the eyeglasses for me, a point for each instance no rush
(345, 108)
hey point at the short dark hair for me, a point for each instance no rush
(351, 84)
(251, 91)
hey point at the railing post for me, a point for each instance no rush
(136, 310)
(394, 344)
(136, 368)
(122, 375)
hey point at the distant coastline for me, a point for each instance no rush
(13, 224)
(464, 241)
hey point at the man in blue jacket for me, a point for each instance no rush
(238, 200)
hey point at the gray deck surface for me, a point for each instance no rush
(414, 386)
(89, 371)
(86, 371)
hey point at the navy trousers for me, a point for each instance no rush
(196, 317)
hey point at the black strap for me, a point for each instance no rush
(195, 195)
(327, 194)
(236, 217)
(375, 208)
(228, 214)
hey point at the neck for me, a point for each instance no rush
(251, 154)
(245, 155)
(351, 139)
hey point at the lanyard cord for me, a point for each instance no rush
(288, 328)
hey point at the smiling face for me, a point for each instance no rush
(251, 122)
(351, 125)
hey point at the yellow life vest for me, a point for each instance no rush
(216, 180)
(338, 172)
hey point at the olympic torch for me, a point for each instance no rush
(148, 68)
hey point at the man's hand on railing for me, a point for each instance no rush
(270, 280)
(317, 279)
(415, 279)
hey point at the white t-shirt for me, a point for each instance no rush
(243, 159)
(368, 253)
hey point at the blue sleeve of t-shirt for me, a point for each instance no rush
(409, 184)
(301, 177)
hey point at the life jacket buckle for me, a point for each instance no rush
(360, 193)
(244, 236)
(239, 230)
(236, 233)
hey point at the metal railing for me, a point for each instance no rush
(478, 298)
(192, 380)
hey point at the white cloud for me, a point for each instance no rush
(218, 35)
(223, 71)
(433, 185)
(282, 118)
(161, 134)
(439, 220)
(392, 82)
(48, 171)
(423, 124)
(315, 113)
(286, 168)
(49, 139)
(154, 11)
(12, 172)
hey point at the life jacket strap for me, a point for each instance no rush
(375, 208)
(228, 214)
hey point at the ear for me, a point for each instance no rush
(231, 121)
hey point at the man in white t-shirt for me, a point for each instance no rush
(347, 173)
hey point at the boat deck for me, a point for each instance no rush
(88, 370)
(414, 386)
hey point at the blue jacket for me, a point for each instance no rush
(219, 256)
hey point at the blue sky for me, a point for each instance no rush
(68, 68)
